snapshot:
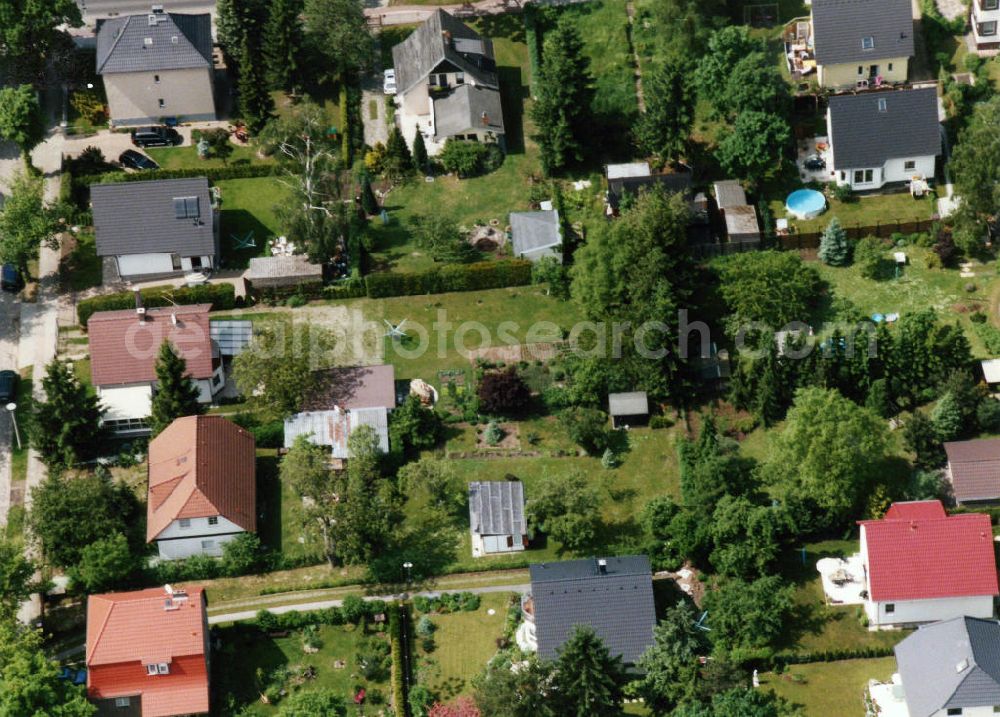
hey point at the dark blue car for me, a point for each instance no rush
(10, 278)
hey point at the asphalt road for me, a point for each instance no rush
(94, 9)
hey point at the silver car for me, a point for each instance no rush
(389, 81)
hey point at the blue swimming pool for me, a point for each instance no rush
(805, 203)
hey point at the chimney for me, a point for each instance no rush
(173, 319)
(157, 9)
(140, 310)
(602, 566)
(486, 119)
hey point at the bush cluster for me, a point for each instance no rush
(268, 621)
(447, 602)
(220, 296)
(452, 277)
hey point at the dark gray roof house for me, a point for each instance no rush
(468, 108)
(868, 128)
(158, 41)
(846, 31)
(614, 596)
(162, 216)
(443, 40)
(951, 665)
(536, 234)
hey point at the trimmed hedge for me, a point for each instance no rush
(214, 174)
(398, 674)
(294, 620)
(452, 277)
(220, 296)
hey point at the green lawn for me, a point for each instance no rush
(249, 205)
(247, 653)
(465, 641)
(863, 211)
(918, 288)
(81, 268)
(524, 306)
(187, 157)
(825, 689)
(281, 525)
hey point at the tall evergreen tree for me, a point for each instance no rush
(283, 42)
(176, 395)
(663, 129)
(254, 99)
(368, 201)
(564, 92)
(419, 152)
(588, 680)
(63, 426)
(398, 160)
(236, 20)
(833, 247)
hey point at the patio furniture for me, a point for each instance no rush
(246, 242)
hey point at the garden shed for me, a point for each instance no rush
(628, 409)
(272, 272)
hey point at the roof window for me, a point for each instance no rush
(867, 43)
(147, 41)
(186, 208)
(882, 105)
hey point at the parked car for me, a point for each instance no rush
(10, 278)
(156, 137)
(8, 386)
(389, 81)
(814, 163)
(136, 160)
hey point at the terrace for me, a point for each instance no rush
(800, 59)
(887, 699)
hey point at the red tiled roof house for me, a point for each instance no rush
(148, 653)
(123, 350)
(202, 486)
(974, 470)
(922, 565)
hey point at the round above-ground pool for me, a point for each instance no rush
(805, 203)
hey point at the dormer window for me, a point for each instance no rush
(868, 43)
(151, 669)
(882, 106)
(163, 668)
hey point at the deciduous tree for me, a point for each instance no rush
(25, 222)
(975, 165)
(439, 236)
(16, 573)
(105, 564)
(414, 427)
(503, 392)
(31, 31)
(567, 509)
(748, 615)
(338, 32)
(773, 287)
(30, 682)
(21, 120)
(756, 147)
(313, 703)
(176, 394)
(743, 702)
(502, 692)
(306, 469)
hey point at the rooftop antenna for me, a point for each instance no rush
(395, 331)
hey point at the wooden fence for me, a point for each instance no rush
(810, 240)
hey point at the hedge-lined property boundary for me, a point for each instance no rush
(214, 174)
(452, 277)
(220, 296)
(398, 612)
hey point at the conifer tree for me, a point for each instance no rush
(398, 161)
(283, 42)
(254, 99)
(368, 201)
(833, 247)
(588, 680)
(419, 152)
(176, 394)
(64, 425)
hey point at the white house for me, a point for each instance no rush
(202, 486)
(123, 350)
(157, 65)
(921, 565)
(985, 20)
(948, 668)
(496, 517)
(446, 76)
(883, 137)
(155, 229)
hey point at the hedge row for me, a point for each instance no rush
(858, 653)
(397, 645)
(312, 292)
(214, 174)
(295, 620)
(220, 296)
(452, 277)
(447, 602)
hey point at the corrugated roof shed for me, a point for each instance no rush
(868, 128)
(841, 29)
(162, 216)
(156, 41)
(954, 664)
(497, 508)
(634, 403)
(616, 601)
(283, 267)
(729, 193)
(627, 169)
(333, 428)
